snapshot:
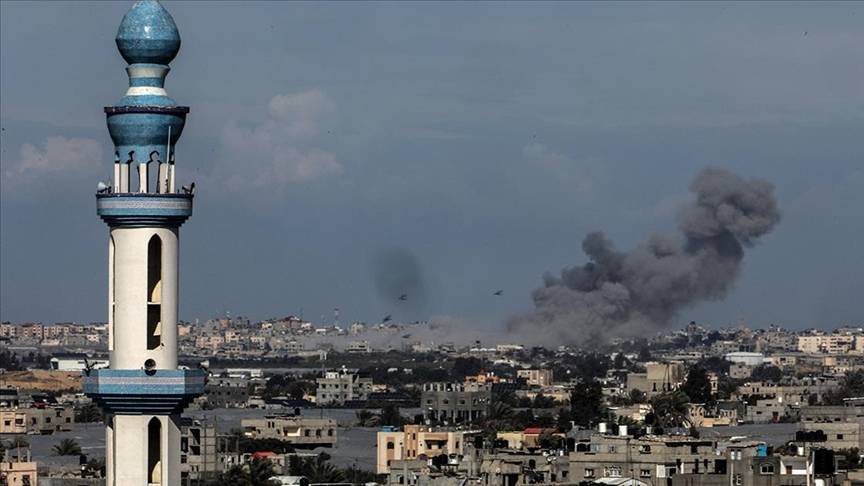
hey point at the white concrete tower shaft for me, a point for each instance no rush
(143, 391)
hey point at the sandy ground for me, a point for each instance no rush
(42, 380)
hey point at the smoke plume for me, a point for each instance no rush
(397, 272)
(623, 294)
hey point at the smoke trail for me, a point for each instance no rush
(624, 293)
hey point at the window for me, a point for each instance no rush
(154, 292)
(839, 436)
(611, 449)
(390, 445)
(154, 451)
(644, 473)
(645, 449)
(736, 480)
(612, 472)
(589, 473)
(766, 469)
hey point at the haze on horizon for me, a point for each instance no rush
(484, 141)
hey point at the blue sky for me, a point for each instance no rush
(486, 139)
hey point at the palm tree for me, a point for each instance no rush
(671, 409)
(365, 418)
(67, 447)
(321, 471)
(260, 472)
(255, 473)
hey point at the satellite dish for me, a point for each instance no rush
(102, 187)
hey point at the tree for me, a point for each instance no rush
(67, 447)
(670, 409)
(586, 404)
(716, 364)
(563, 421)
(315, 469)
(463, 367)
(256, 472)
(697, 387)
(365, 418)
(644, 353)
(390, 416)
(638, 396)
(767, 372)
(851, 386)
(88, 413)
(541, 401)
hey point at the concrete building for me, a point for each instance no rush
(300, 432)
(227, 392)
(657, 378)
(536, 377)
(748, 464)
(41, 421)
(340, 386)
(76, 362)
(745, 358)
(831, 343)
(417, 441)
(205, 453)
(143, 392)
(652, 460)
(455, 403)
(18, 470)
(843, 425)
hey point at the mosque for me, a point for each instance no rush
(143, 392)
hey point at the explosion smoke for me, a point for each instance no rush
(624, 293)
(397, 271)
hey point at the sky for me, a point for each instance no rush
(480, 142)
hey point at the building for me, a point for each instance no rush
(843, 425)
(227, 392)
(338, 387)
(536, 377)
(831, 343)
(358, 347)
(455, 403)
(18, 470)
(657, 378)
(41, 421)
(76, 362)
(299, 431)
(650, 459)
(747, 464)
(143, 392)
(205, 453)
(419, 441)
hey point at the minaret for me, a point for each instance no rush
(143, 392)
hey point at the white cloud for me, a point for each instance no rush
(578, 176)
(281, 150)
(55, 155)
(542, 155)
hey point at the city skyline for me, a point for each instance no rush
(482, 142)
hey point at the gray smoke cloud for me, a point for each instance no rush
(624, 294)
(398, 271)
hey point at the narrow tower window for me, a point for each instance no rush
(111, 293)
(154, 292)
(154, 452)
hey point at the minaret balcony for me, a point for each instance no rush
(144, 209)
(142, 391)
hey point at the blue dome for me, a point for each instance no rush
(148, 34)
